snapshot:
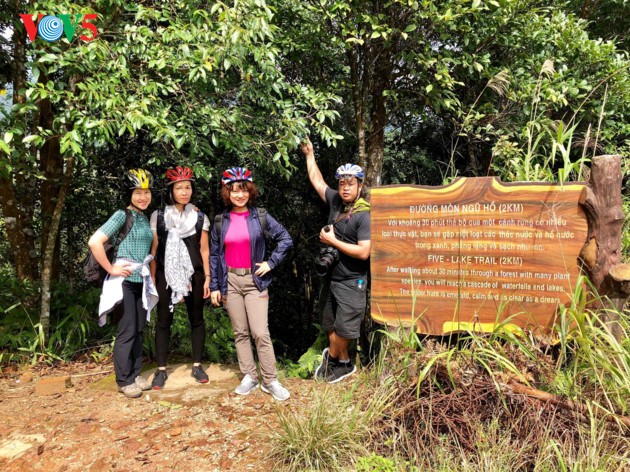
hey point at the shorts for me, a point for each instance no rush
(343, 304)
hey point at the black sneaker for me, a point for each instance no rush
(320, 372)
(159, 379)
(340, 371)
(199, 375)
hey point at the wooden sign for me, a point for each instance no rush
(475, 253)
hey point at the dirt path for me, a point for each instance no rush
(91, 427)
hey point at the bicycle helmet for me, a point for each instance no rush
(139, 178)
(349, 170)
(179, 174)
(236, 174)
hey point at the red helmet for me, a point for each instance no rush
(179, 174)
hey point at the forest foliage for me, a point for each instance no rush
(416, 91)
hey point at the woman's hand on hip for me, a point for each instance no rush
(120, 270)
(216, 298)
(263, 268)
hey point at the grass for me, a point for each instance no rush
(429, 404)
(332, 431)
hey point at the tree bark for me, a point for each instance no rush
(376, 141)
(381, 81)
(17, 216)
(52, 235)
(601, 255)
(51, 165)
(358, 102)
(50, 246)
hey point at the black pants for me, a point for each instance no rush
(194, 305)
(130, 328)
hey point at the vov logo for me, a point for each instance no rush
(51, 27)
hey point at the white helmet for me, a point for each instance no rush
(349, 170)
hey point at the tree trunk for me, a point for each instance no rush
(52, 236)
(358, 102)
(50, 246)
(376, 141)
(380, 82)
(51, 165)
(601, 254)
(17, 216)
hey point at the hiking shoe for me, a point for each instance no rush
(131, 390)
(277, 390)
(320, 372)
(340, 371)
(199, 375)
(159, 379)
(247, 386)
(142, 383)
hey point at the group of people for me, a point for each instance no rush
(177, 255)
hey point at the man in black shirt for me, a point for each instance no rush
(344, 265)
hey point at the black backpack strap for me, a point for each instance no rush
(199, 224)
(218, 223)
(335, 210)
(160, 225)
(124, 231)
(262, 218)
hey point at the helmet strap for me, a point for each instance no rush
(135, 208)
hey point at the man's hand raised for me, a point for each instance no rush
(307, 147)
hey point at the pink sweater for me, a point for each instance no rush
(237, 245)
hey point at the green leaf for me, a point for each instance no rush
(48, 58)
(410, 28)
(8, 136)
(29, 138)
(355, 40)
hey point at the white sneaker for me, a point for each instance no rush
(247, 386)
(131, 391)
(277, 390)
(142, 383)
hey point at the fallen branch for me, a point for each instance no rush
(93, 373)
(599, 412)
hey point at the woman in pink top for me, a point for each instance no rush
(240, 275)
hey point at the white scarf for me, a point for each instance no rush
(178, 268)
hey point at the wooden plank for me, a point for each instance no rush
(475, 253)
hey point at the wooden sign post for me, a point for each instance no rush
(474, 254)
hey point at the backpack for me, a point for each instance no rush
(94, 272)
(262, 217)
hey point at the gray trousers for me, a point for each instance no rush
(248, 310)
